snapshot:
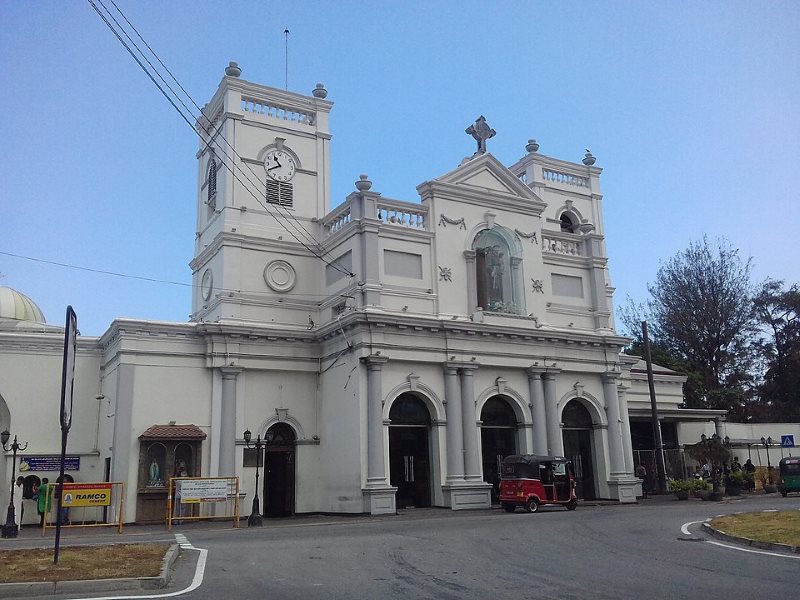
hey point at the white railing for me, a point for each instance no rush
(260, 107)
(566, 247)
(338, 220)
(400, 213)
(566, 178)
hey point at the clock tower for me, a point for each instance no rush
(262, 185)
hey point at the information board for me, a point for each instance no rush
(49, 463)
(194, 491)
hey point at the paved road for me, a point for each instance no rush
(592, 553)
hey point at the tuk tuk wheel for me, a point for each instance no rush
(572, 505)
(508, 507)
(532, 505)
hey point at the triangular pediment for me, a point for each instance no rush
(486, 173)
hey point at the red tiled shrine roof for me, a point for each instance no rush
(173, 432)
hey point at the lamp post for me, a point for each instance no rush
(767, 443)
(10, 529)
(255, 518)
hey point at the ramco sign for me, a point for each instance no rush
(86, 494)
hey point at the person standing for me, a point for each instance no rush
(19, 488)
(641, 473)
(43, 502)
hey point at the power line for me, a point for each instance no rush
(149, 279)
(217, 133)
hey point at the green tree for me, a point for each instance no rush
(702, 321)
(778, 312)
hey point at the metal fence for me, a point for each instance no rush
(674, 461)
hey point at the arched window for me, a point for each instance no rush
(567, 225)
(409, 410)
(493, 273)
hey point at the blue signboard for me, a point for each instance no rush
(49, 463)
(787, 441)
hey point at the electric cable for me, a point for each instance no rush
(217, 132)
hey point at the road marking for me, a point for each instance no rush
(685, 526)
(754, 551)
(197, 580)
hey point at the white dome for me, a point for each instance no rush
(17, 306)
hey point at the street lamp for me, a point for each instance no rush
(255, 518)
(767, 443)
(10, 529)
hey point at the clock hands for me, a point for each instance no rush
(277, 164)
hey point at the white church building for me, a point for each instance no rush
(391, 351)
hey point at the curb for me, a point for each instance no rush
(42, 588)
(748, 542)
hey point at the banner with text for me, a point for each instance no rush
(86, 494)
(194, 491)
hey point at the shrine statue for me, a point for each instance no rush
(155, 473)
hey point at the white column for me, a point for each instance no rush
(615, 445)
(227, 441)
(536, 392)
(555, 441)
(472, 286)
(472, 461)
(376, 470)
(627, 448)
(455, 435)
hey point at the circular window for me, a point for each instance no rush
(280, 276)
(207, 284)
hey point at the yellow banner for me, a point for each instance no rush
(86, 494)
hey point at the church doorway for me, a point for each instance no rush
(279, 461)
(409, 451)
(498, 439)
(577, 431)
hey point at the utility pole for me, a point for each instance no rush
(659, 443)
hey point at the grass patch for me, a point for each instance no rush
(778, 527)
(82, 562)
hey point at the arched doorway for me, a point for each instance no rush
(498, 439)
(577, 432)
(279, 459)
(409, 458)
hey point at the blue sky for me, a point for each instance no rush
(691, 109)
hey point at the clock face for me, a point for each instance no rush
(280, 165)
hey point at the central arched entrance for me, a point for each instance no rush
(577, 431)
(409, 451)
(498, 439)
(279, 461)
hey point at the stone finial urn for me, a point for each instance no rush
(233, 70)
(588, 158)
(363, 184)
(319, 91)
(532, 146)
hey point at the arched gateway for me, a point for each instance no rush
(409, 451)
(279, 462)
(498, 438)
(578, 433)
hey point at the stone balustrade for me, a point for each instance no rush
(565, 247)
(338, 219)
(565, 178)
(260, 107)
(405, 214)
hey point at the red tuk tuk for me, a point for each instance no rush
(531, 481)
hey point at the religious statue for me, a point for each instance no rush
(481, 131)
(154, 474)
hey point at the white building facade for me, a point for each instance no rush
(391, 351)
